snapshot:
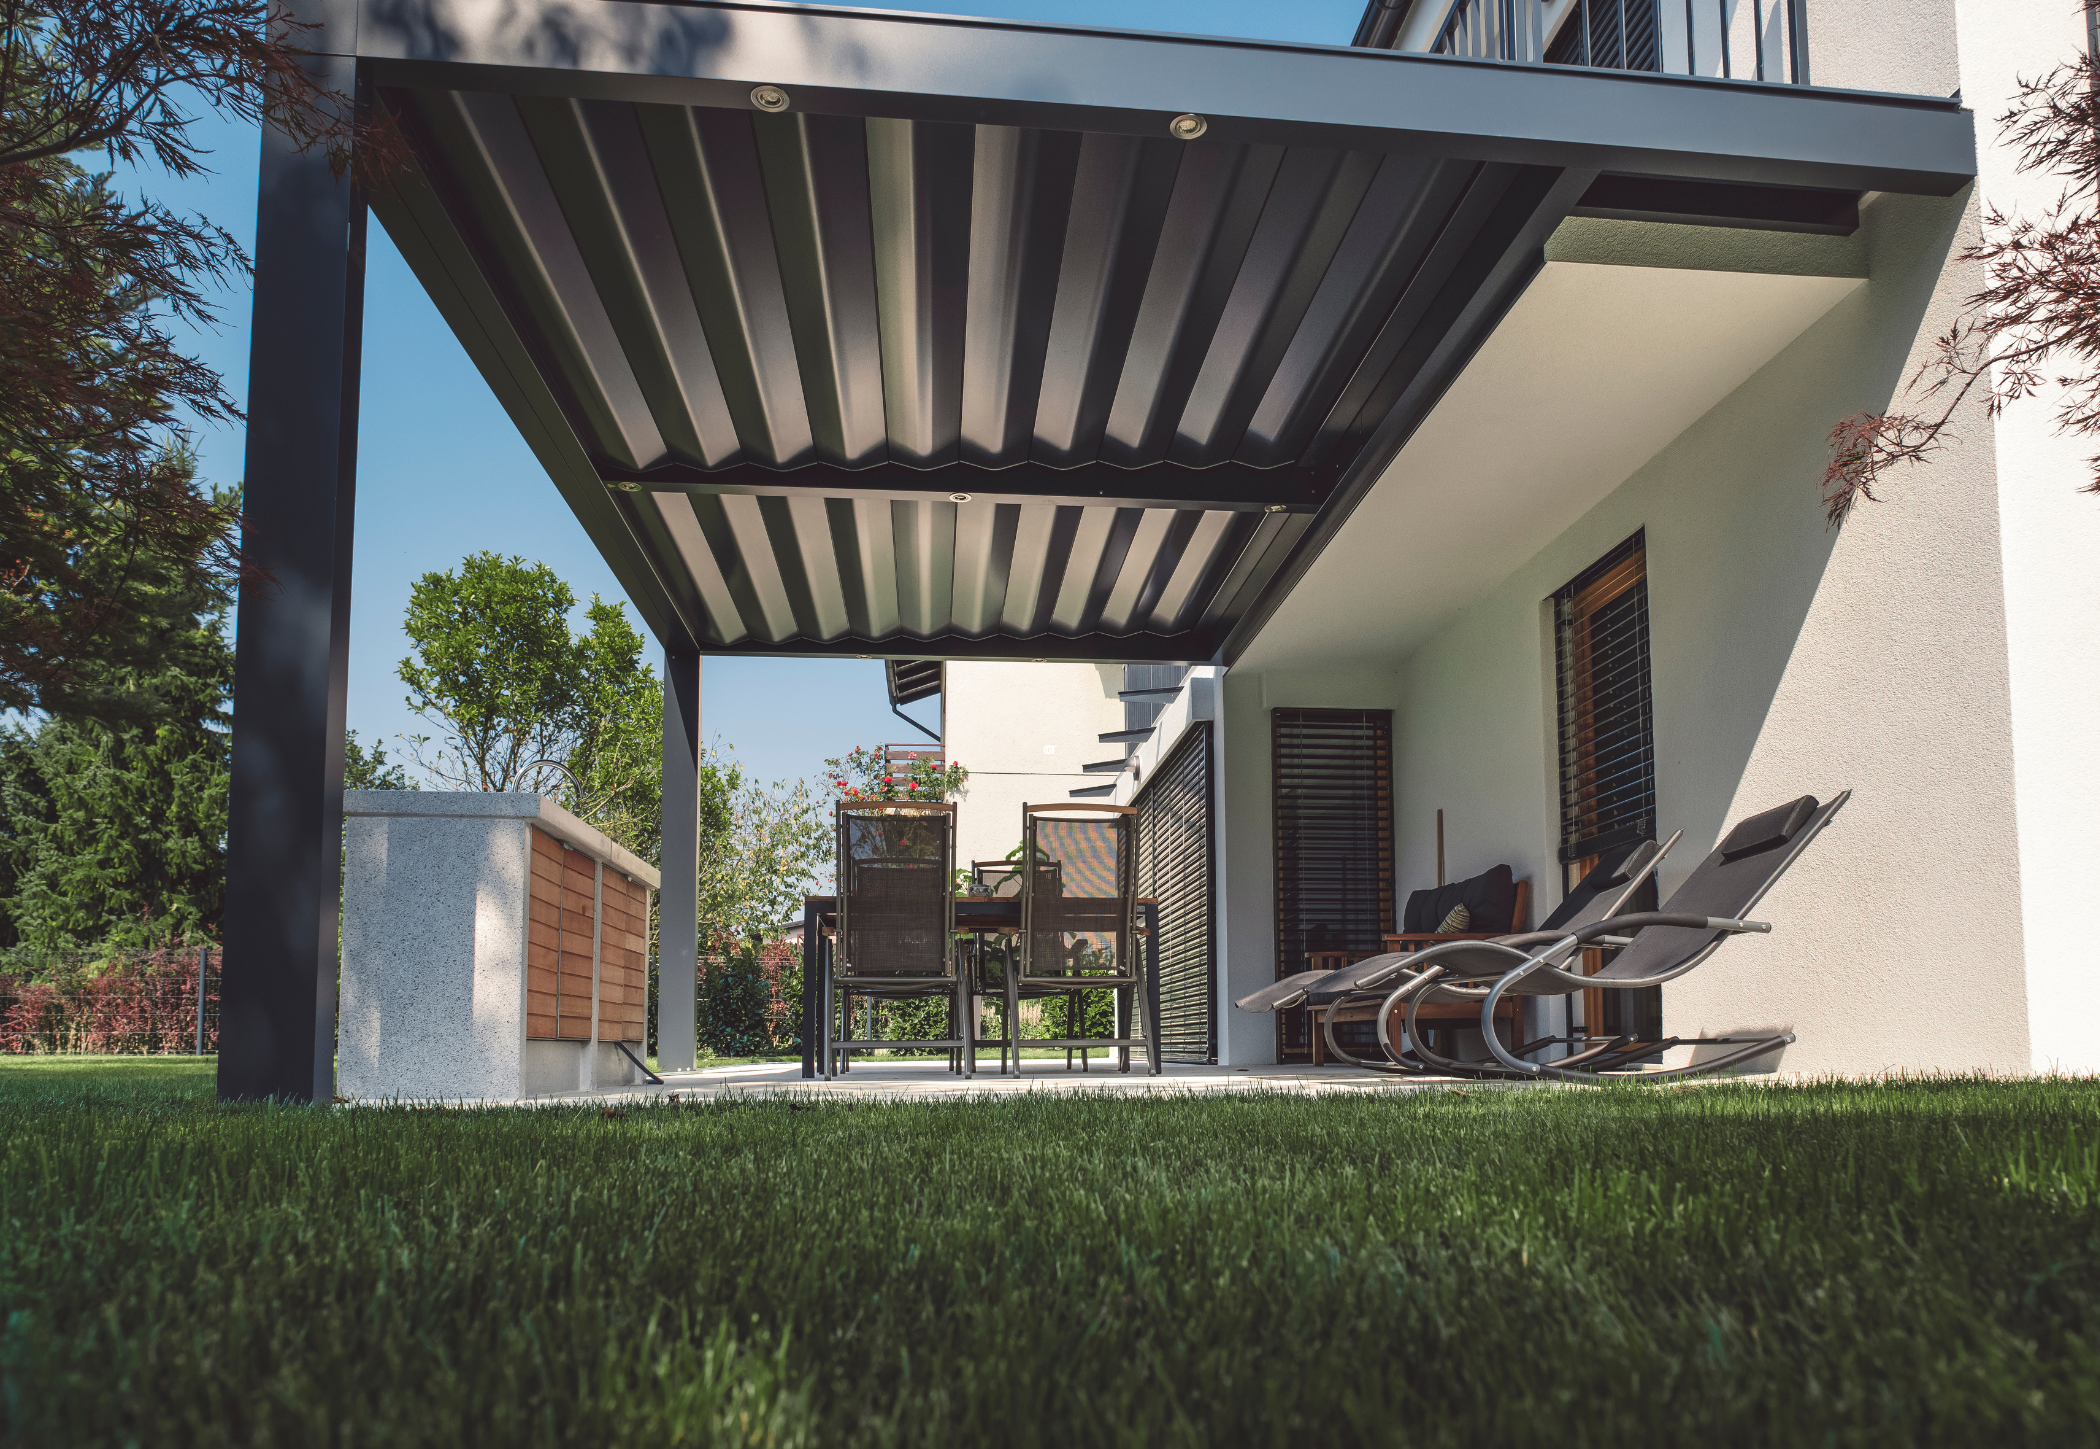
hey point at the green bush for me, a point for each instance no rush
(749, 1000)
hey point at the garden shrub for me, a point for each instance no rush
(140, 1001)
(750, 999)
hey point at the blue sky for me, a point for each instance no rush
(441, 471)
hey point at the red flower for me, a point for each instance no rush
(888, 779)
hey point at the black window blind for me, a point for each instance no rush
(1332, 772)
(1607, 718)
(1174, 866)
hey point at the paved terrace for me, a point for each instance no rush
(929, 1080)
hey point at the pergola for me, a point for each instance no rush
(875, 334)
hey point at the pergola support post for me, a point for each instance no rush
(291, 652)
(678, 917)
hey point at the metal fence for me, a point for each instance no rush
(150, 1002)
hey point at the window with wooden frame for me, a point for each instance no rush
(1607, 746)
(1332, 774)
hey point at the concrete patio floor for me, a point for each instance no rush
(930, 1080)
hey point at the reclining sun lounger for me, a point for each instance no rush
(1659, 946)
(1598, 896)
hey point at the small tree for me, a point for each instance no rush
(497, 668)
(365, 769)
(2038, 312)
(776, 850)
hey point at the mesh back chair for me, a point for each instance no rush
(1079, 926)
(996, 878)
(896, 924)
(991, 951)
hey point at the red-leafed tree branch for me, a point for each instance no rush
(98, 502)
(2037, 317)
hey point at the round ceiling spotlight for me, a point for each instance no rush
(958, 498)
(769, 98)
(1187, 126)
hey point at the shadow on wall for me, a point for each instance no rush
(1735, 629)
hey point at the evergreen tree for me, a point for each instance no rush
(112, 835)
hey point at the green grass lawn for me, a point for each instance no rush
(1828, 1265)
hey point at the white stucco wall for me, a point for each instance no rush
(1787, 659)
(1023, 731)
(2050, 540)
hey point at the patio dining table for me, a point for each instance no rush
(975, 915)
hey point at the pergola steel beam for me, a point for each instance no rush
(678, 915)
(277, 1009)
(1225, 488)
(942, 68)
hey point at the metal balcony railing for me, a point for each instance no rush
(1763, 40)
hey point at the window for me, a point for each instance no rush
(1333, 782)
(1607, 725)
(1607, 745)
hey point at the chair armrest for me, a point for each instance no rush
(1641, 920)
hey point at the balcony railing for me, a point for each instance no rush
(1763, 40)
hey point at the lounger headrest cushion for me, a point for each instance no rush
(1774, 827)
(1634, 863)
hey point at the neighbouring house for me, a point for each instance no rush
(1594, 597)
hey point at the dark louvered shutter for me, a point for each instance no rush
(1174, 866)
(1607, 720)
(1609, 34)
(1333, 779)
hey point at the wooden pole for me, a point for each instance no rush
(1439, 850)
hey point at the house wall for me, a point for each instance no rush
(1936, 655)
(1788, 658)
(2049, 540)
(1023, 731)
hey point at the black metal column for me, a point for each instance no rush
(812, 982)
(291, 650)
(677, 932)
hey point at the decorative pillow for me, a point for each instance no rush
(1490, 899)
(1459, 920)
(1773, 827)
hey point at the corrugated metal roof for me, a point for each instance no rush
(900, 383)
(873, 383)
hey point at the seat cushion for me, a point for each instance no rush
(1490, 899)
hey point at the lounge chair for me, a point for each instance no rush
(1658, 947)
(1598, 896)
